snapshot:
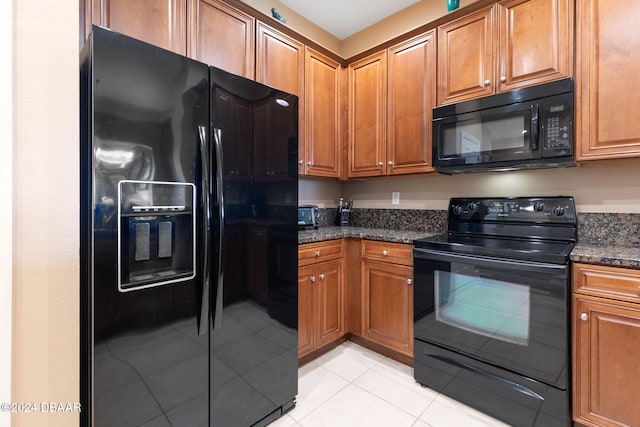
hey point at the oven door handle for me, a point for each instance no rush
(430, 254)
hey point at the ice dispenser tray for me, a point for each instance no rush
(156, 233)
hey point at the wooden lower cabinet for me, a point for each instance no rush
(321, 298)
(387, 295)
(387, 305)
(606, 342)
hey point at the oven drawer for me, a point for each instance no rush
(613, 282)
(310, 253)
(513, 398)
(397, 253)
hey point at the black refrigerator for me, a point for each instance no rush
(188, 252)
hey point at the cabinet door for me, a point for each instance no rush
(158, 22)
(411, 85)
(607, 83)
(387, 305)
(606, 339)
(330, 306)
(466, 51)
(279, 60)
(367, 116)
(536, 39)
(306, 311)
(222, 36)
(322, 150)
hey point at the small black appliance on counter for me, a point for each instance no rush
(307, 216)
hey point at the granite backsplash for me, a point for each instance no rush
(609, 228)
(593, 228)
(392, 219)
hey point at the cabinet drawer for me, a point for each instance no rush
(397, 253)
(611, 282)
(318, 252)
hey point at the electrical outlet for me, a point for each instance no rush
(395, 198)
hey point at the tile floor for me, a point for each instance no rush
(352, 386)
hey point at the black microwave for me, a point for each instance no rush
(525, 128)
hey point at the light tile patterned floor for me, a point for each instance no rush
(352, 386)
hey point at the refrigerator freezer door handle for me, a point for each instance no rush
(217, 139)
(203, 323)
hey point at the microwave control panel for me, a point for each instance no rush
(557, 126)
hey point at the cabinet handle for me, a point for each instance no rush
(584, 316)
(380, 164)
(503, 79)
(390, 163)
(309, 163)
(321, 276)
(487, 82)
(384, 252)
(300, 162)
(317, 253)
(409, 282)
(312, 278)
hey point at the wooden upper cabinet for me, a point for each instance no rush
(222, 36)
(535, 42)
(466, 51)
(607, 83)
(411, 90)
(279, 60)
(322, 149)
(158, 22)
(368, 115)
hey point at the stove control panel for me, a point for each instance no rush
(519, 209)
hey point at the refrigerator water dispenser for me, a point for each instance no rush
(156, 233)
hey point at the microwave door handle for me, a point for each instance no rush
(217, 143)
(203, 320)
(535, 128)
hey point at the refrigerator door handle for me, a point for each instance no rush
(217, 140)
(203, 324)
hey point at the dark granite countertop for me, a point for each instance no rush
(333, 232)
(622, 255)
(611, 254)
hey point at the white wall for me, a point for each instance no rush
(6, 169)
(611, 187)
(45, 344)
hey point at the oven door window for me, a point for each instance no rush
(500, 134)
(508, 313)
(492, 308)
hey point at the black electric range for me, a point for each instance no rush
(492, 306)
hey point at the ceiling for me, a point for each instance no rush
(343, 18)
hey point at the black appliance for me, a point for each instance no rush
(188, 179)
(525, 128)
(491, 308)
(308, 216)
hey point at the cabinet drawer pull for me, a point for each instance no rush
(321, 276)
(309, 163)
(300, 162)
(317, 253)
(487, 82)
(384, 252)
(584, 316)
(390, 163)
(409, 282)
(503, 79)
(312, 278)
(380, 164)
